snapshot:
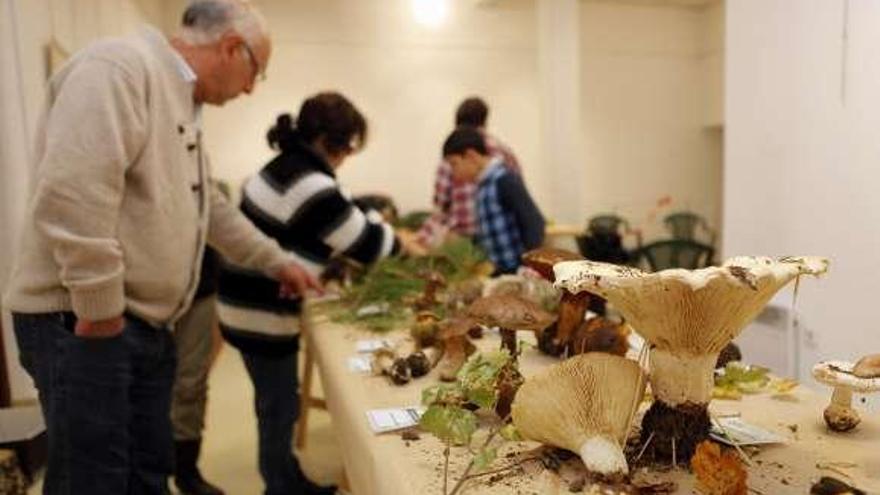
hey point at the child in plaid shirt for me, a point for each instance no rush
(508, 222)
(455, 202)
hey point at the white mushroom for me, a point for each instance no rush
(840, 416)
(688, 316)
(584, 404)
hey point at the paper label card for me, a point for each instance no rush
(372, 345)
(734, 430)
(360, 364)
(385, 420)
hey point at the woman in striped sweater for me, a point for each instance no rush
(297, 200)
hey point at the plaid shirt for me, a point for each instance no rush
(499, 233)
(454, 205)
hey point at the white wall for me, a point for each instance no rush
(407, 80)
(802, 174)
(645, 108)
(26, 27)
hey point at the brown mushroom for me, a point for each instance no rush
(509, 314)
(572, 307)
(386, 362)
(434, 281)
(599, 334)
(456, 346)
(424, 330)
(423, 361)
(867, 367)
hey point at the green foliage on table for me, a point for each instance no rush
(476, 386)
(737, 379)
(395, 282)
(452, 425)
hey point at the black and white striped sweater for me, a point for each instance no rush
(296, 200)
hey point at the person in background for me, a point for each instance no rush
(509, 223)
(194, 341)
(115, 229)
(297, 200)
(454, 202)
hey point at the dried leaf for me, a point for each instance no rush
(717, 472)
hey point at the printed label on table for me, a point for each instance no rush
(734, 430)
(360, 364)
(399, 418)
(372, 345)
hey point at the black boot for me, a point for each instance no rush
(307, 486)
(187, 477)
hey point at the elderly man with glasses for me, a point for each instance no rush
(111, 250)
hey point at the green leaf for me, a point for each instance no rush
(449, 424)
(443, 394)
(485, 458)
(510, 433)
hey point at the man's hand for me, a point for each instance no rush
(295, 281)
(100, 329)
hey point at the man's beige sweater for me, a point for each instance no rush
(122, 206)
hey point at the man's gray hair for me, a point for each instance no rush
(206, 21)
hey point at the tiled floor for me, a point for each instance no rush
(229, 456)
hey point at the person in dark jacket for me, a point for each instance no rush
(508, 221)
(296, 200)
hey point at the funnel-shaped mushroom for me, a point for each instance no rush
(509, 314)
(688, 316)
(584, 404)
(573, 305)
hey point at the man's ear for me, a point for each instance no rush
(229, 44)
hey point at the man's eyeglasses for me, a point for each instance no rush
(259, 75)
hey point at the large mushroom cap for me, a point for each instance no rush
(840, 374)
(572, 404)
(509, 312)
(542, 259)
(697, 311)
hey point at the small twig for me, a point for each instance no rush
(755, 490)
(829, 467)
(674, 458)
(470, 465)
(446, 469)
(645, 447)
(739, 449)
(501, 470)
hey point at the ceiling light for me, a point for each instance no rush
(430, 13)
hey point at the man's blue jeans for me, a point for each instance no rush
(106, 403)
(276, 400)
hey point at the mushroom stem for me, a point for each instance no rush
(842, 397)
(840, 416)
(680, 379)
(572, 309)
(508, 340)
(604, 457)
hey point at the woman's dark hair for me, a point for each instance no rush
(328, 116)
(462, 139)
(472, 111)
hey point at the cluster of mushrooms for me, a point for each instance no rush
(587, 403)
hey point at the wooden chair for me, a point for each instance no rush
(683, 225)
(675, 253)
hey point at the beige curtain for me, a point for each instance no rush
(14, 172)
